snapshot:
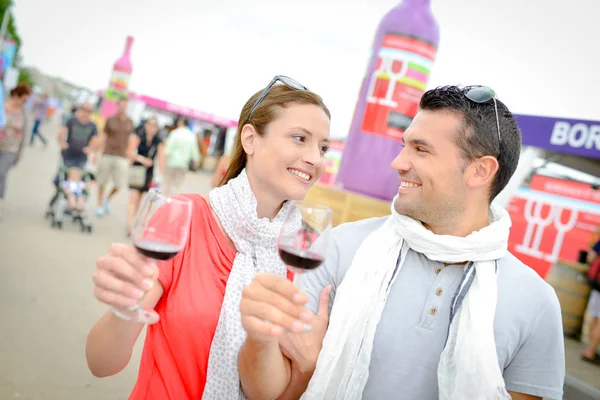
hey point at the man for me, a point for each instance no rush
(427, 303)
(590, 354)
(181, 149)
(77, 139)
(114, 163)
(40, 109)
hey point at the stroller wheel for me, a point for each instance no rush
(58, 224)
(89, 229)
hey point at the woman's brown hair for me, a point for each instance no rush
(280, 96)
(20, 90)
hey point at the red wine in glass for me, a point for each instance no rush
(298, 259)
(304, 237)
(160, 232)
(156, 250)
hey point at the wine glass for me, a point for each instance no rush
(304, 237)
(160, 232)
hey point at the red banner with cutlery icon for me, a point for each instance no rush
(552, 219)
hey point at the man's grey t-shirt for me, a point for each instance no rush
(412, 331)
(78, 138)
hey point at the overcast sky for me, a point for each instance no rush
(540, 56)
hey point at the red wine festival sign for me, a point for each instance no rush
(554, 218)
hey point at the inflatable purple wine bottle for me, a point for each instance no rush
(402, 56)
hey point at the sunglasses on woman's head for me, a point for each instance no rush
(289, 82)
(482, 94)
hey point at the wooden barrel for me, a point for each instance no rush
(568, 280)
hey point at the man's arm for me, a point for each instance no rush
(104, 133)
(521, 396)
(264, 371)
(537, 369)
(62, 135)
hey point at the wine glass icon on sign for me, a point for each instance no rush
(534, 218)
(562, 230)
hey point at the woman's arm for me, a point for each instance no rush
(161, 159)
(111, 340)
(134, 143)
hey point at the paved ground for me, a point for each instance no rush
(46, 302)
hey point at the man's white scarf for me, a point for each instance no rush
(468, 367)
(256, 243)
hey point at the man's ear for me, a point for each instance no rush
(248, 138)
(483, 171)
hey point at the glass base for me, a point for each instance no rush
(136, 314)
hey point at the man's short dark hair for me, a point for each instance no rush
(183, 120)
(479, 134)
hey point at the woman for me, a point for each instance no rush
(144, 148)
(11, 135)
(191, 353)
(590, 355)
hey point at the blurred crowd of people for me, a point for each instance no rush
(117, 156)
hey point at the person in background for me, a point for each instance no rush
(593, 309)
(74, 187)
(204, 144)
(427, 303)
(145, 148)
(220, 170)
(77, 139)
(191, 352)
(181, 149)
(114, 161)
(12, 134)
(40, 111)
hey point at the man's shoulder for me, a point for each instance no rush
(357, 231)
(523, 284)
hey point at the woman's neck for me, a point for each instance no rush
(267, 205)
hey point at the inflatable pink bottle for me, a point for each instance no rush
(119, 81)
(402, 56)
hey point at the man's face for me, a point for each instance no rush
(122, 106)
(433, 185)
(84, 113)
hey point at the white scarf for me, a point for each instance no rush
(256, 243)
(468, 367)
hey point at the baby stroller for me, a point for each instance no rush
(58, 209)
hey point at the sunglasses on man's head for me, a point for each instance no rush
(289, 82)
(483, 94)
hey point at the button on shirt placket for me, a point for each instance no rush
(435, 299)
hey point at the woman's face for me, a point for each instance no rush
(151, 127)
(289, 158)
(21, 100)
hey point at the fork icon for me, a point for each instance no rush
(533, 215)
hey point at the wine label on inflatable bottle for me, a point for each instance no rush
(396, 85)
